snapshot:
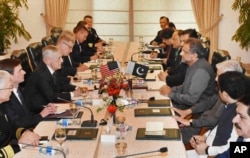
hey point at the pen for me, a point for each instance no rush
(195, 139)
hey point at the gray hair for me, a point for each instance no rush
(4, 76)
(229, 65)
(50, 51)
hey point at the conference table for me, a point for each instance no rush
(98, 148)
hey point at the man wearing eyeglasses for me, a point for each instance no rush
(16, 108)
(44, 85)
(11, 136)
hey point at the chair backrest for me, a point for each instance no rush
(55, 36)
(56, 30)
(206, 44)
(35, 53)
(47, 40)
(22, 55)
(219, 56)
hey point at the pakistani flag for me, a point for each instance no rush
(137, 69)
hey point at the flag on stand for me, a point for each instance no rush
(109, 69)
(136, 69)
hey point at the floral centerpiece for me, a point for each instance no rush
(112, 85)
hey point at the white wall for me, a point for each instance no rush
(227, 28)
(33, 23)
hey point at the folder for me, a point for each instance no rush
(67, 114)
(154, 67)
(152, 112)
(80, 133)
(169, 134)
(159, 103)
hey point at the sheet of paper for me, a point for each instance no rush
(154, 126)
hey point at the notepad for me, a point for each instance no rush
(159, 103)
(169, 134)
(152, 112)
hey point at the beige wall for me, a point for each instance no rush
(228, 26)
(34, 24)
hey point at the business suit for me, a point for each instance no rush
(79, 55)
(176, 72)
(19, 113)
(69, 66)
(41, 89)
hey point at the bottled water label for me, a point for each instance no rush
(48, 151)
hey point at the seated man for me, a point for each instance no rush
(78, 53)
(65, 43)
(10, 135)
(210, 117)
(231, 87)
(16, 107)
(158, 40)
(175, 74)
(44, 85)
(93, 42)
(199, 82)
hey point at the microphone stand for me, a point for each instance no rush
(91, 122)
(27, 145)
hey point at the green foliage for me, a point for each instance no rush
(11, 27)
(242, 34)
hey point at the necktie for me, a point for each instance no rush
(20, 96)
(54, 77)
(70, 61)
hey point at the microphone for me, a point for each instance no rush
(43, 147)
(162, 150)
(87, 123)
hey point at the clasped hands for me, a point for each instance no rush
(199, 144)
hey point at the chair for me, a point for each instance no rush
(47, 40)
(54, 37)
(22, 55)
(35, 53)
(56, 30)
(219, 56)
(206, 44)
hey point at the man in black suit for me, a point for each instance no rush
(164, 21)
(65, 43)
(16, 107)
(43, 84)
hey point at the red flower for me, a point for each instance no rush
(111, 108)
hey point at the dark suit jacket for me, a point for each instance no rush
(41, 90)
(177, 70)
(158, 38)
(20, 114)
(79, 55)
(69, 68)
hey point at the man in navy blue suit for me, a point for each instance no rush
(16, 107)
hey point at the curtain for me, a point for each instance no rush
(207, 16)
(56, 12)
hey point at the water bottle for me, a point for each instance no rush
(64, 122)
(49, 151)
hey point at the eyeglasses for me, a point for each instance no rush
(68, 45)
(11, 87)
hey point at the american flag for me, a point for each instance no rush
(109, 69)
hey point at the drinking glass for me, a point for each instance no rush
(60, 136)
(73, 109)
(120, 127)
(94, 74)
(85, 92)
